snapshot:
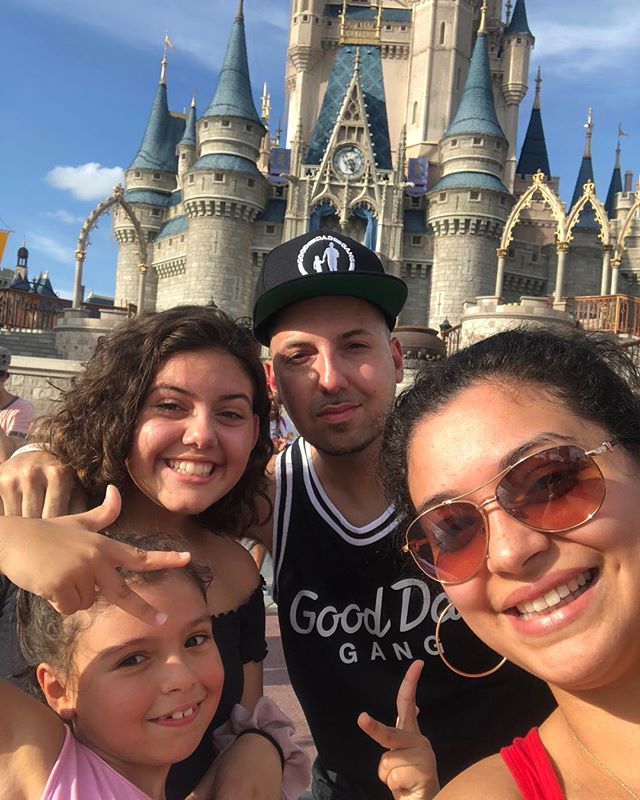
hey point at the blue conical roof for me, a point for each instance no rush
(233, 96)
(189, 135)
(18, 282)
(43, 286)
(477, 112)
(519, 22)
(533, 156)
(158, 148)
(585, 173)
(614, 187)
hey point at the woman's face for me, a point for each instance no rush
(195, 431)
(593, 636)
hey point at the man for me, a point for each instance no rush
(16, 414)
(353, 613)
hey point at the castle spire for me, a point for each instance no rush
(534, 156)
(476, 113)
(615, 185)
(483, 18)
(585, 173)
(518, 22)
(163, 132)
(189, 135)
(233, 97)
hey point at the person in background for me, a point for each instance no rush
(16, 415)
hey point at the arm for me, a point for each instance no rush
(63, 560)
(7, 445)
(35, 484)
(408, 767)
(31, 737)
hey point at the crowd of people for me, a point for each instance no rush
(454, 570)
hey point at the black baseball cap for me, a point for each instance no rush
(323, 263)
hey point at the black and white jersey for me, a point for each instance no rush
(354, 614)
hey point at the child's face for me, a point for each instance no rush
(195, 431)
(144, 695)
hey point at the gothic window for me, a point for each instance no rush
(278, 191)
(251, 182)
(226, 123)
(414, 115)
(155, 212)
(192, 178)
(454, 143)
(156, 176)
(218, 177)
(503, 201)
(477, 140)
(249, 128)
(442, 197)
(443, 29)
(416, 240)
(415, 202)
(205, 124)
(270, 230)
(137, 173)
(474, 195)
(458, 74)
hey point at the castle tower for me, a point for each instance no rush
(224, 191)
(149, 184)
(518, 44)
(584, 262)
(305, 70)
(534, 156)
(186, 147)
(470, 204)
(20, 278)
(615, 186)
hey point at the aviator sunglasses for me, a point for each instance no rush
(553, 491)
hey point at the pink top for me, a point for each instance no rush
(80, 774)
(17, 417)
(531, 768)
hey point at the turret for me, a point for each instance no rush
(224, 191)
(518, 44)
(615, 186)
(533, 156)
(585, 173)
(20, 278)
(470, 204)
(304, 54)
(186, 147)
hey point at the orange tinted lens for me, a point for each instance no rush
(448, 542)
(555, 490)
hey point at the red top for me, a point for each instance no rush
(531, 768)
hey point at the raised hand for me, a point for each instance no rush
(65, 560)
(408, 767)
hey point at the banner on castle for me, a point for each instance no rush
(418, 173)
(279, 165)
(4, 235)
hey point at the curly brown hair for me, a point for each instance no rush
(93, 431)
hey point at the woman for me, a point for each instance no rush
(517, 464)
(172, 409)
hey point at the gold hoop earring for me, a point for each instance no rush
(451, 667)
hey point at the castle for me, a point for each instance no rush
(402, 128)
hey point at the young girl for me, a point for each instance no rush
(517, 462)
(130, 697)
(172, 409)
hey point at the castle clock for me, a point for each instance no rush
(348, 161)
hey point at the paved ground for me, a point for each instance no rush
(277, 686)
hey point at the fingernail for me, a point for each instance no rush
(185, 555)
(161, 618)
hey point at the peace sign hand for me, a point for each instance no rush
(65, 560)
(408, 767)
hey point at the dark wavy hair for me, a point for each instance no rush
(45, 635)
(93, 431)
(590, 374)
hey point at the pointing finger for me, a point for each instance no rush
(137, 560)
(115, 591)
(386, 736)
(406, 701)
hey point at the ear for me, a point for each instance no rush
(56, 690)
(271, 380)
(396, 355)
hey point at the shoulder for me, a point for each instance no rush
(235, 575)
(489, 779)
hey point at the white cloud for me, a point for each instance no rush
(566, 40)
(89, 181)
(64, 216)
(49, 248)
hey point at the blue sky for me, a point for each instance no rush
(80, 77)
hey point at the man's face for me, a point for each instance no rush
(334, 367)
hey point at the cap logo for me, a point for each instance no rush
(325, 254)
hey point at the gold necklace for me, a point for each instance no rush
(603, 766)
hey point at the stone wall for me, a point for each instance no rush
(40, 380)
